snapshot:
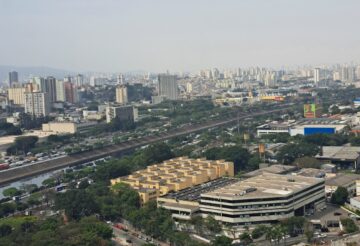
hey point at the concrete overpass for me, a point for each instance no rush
(15, 174)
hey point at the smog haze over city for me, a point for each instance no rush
(179, 123)
(111, 36)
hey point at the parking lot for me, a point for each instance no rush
(193, 193)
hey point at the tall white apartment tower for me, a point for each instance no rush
(317, 75)
(37, 104)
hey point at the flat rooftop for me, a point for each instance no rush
(266, 185)
(339, 152)
(342, 179)
(276, 169)
(193, 193)
(338, 127)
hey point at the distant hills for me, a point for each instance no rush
(26, 72)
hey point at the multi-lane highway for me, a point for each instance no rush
(80, 158)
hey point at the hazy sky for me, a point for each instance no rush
(181, 35)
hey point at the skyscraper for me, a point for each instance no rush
(37, 104)
(121, 94)
(168, 86)
(71, 95)
(79, 80)
(60, 91)
(39, 83)
(13, 78)
(50, 88)
(317, 75)
(120, 79)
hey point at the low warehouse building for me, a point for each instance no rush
(345, 157)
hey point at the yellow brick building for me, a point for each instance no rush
(174, 175)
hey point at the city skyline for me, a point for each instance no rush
(125, 36)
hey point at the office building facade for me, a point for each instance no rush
(262, 199)
(123, 113)
(168, 86)
(13, 78)
(50, 88)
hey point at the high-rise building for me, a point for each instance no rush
(357, 72)
(60, 91)
(39, 84)
(317, 75)
(336, 76)
(348, 74)
(13, 78)
(79, 80)
(351, 74)
(120, 79)
(270, 79)
(123, 113)
(71, 94)
(16, 95)
(37, 104)
(189, 87)
(50, 88)
(168, 86)
(215, 73)
(121, 94)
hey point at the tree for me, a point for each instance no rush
(22, 144)
(29, 188)
(258, 231)
(93, 225)
(294, 225)
(290, 152)
(7, 208)
(254, 162)
(112, 169)
(221, 241)
(9, 129)
(198, 223)
(11, 192)
(339, 196)
(5, 230)
(76, 203)
(50, 182)
(321, 139)
(335, 110)
(27, 226)
(84, 184)
(157, 153)
(25, 143)
(246, 238)
(212, 225)
(349, 225)
(236, 154)
(180, 239)
(308, 231)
